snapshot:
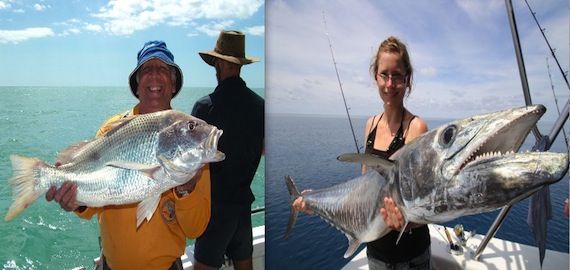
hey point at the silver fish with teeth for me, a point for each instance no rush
(466, 167)
(136, 161)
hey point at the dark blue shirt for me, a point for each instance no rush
(239, 112)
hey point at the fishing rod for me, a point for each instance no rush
(564, 74)
(340, 84)
(556, 102)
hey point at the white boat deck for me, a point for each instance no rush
(499, 254)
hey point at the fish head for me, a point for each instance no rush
(186, 143)
(446, 150)
(467, 163)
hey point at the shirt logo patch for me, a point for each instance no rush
(167, 211)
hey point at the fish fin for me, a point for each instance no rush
(145, 169)
(65, 155)
(294, 192)
(146, 209)
(23, 184)
(402, 232)
(383, 166)
(116, 125)
(170, 166)
(352, 246)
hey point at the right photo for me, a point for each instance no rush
(412, 135)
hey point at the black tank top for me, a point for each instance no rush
(397, 143)
(410, 245)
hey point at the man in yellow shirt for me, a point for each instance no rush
(183, 212)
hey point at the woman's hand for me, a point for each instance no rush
(299, 204)
(392, 215)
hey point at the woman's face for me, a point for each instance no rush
(391, 79)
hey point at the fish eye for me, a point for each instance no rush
(192, 125)
(448, 135)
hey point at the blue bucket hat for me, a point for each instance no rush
(150, 50)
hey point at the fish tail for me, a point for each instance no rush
(23, 184)
(294, 192)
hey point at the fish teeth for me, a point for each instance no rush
(492, 155)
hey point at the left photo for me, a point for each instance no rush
(132, 134)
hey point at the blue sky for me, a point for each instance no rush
(95, 43)
(462, 52)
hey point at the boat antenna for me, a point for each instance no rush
(552, 51)
(340, 85)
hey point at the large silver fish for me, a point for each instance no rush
(136, 161)
(466, 167)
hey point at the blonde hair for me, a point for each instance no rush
(394, 45)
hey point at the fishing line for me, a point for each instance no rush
(552, 51)
(340, 85)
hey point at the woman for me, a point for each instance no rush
(385, 134)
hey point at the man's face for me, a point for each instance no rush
(155, 86)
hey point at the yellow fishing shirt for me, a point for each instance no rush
(155, 244)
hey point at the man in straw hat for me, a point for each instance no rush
(239, 112)
(184, 210)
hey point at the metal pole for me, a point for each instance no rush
(505, 210)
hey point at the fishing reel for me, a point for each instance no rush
(462, 235)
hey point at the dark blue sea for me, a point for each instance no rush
(306, 148)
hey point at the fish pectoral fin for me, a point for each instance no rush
(170, 167)
(402, 232)
(146, 209)
(353, 244)
(145, 169)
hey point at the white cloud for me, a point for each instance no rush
(4, 5)
(126, 17)
(17, 36)
(213, 29)
(39, 7)
(93, 27)
(256, 30)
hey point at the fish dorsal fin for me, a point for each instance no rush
(67, 154)
(383, 166)
(146, 169)
(353, 244)
(402, 232)
(114, 126)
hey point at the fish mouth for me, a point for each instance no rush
(484, 136)
(211, 146)
(508, 129)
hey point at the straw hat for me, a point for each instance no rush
(230, 47)
(150, 50)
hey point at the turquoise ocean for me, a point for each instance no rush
(39, 122)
